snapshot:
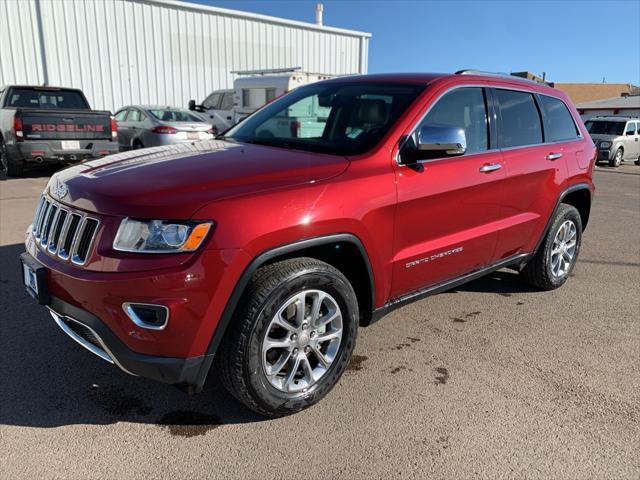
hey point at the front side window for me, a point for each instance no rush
(227, 101)
(134, 116)
(120, 116)
(631, 128)
(212, 101)
(519, 121)
(604, 127)
(335, 118)
(559, 124)
(463, 108)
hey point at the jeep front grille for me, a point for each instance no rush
(63, 232)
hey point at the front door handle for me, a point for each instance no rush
(490, 167)
(554, 156)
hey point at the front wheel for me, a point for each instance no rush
(553, 262)
(292, 337)
(616, 161)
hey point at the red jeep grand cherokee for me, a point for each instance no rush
(262, 252)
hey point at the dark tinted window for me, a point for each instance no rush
(559, 124)
(631, 128)
(604, 127)
(519, 120)
(463, 108)
(42, 99)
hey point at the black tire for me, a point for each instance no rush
(137, 144)
(239, 359)
(538, 272)
(11, 167)
(616, 160)
(637, 162)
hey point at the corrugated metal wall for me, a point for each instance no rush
(124, 52)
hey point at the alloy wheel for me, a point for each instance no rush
(563, 250)
(302, 341)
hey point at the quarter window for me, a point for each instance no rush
(519, 122)
(463, 108)
(559, 124)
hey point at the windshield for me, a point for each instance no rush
(602, 127)
(31, 98)
(340, 119)
(174, 116)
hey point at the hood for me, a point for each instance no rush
(174, 181)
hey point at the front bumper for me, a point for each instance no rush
(51, 150)
(90, 332)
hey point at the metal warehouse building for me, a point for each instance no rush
(122, 52)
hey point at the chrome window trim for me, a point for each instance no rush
(493, 150)
(127, 307)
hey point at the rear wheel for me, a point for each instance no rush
(556, 257)
(616, 161)
(292, 337)
(11, 167)
(137, 144)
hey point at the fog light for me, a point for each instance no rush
(147, 315)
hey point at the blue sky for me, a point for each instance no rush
(570, 40)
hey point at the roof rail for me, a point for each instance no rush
(494, 74)
(267, 71)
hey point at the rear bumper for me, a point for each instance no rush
(52, 151)
(94, 335)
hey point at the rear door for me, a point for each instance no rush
(537, 136)
(449, 208)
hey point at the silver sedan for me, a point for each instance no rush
(141, 126)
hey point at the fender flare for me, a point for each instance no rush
(257, 262)
(570, 189)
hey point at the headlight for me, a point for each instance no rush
(160, 236)
(605, 144)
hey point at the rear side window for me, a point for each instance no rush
(135, 116)
(559, 124)
(463, 108)
(519, 122)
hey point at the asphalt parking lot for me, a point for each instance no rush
(490, 380)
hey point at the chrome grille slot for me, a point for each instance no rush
(47, 224)
(69, 236)
(62, 232)
(36, 216)
(42, 217)
(56, 230)
(85, 238)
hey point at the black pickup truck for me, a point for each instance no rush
(52, 125)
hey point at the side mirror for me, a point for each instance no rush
(192, 105)
(442, 140)
(434, 141)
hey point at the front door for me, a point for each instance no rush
(448, 210)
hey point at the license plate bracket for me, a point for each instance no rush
(34, 276)
(70, 144)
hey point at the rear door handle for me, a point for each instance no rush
(490, 167)
(554, 156)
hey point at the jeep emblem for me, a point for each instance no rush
(61, 191)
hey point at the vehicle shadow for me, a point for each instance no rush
(502, 282)
(47, 380)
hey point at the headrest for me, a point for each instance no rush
(372, 111)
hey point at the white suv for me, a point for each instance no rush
(617, 138)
